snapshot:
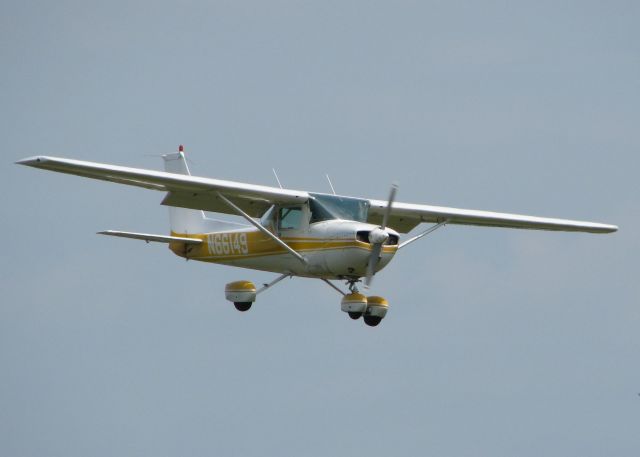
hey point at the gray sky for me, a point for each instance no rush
(498, 342)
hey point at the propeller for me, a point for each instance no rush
(378, 236)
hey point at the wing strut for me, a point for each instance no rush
(262, 228)
(433, 228)
(274, 282)
(333, 285)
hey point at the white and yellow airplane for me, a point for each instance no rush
(291, 232)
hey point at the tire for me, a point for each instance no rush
(372, 321)
(242, 306)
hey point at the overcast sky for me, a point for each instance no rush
(497, 342)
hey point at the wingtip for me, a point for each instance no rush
(606, 228)
(31, 161)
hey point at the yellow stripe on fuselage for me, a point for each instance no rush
(219, 247)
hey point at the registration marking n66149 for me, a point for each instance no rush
(228, 243)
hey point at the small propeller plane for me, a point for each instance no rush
(290, 232)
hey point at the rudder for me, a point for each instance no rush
(182, 220)
(185, 221)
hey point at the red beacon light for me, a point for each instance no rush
(180, 148)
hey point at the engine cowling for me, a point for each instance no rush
(377, 308)
(241, 293)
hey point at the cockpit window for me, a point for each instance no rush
(290, 218)
(326, 207)
(319, 212)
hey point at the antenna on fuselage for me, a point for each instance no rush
(277, 179)
(331, 185)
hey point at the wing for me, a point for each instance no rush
(183, 190)
(202, 193)
(405, 216)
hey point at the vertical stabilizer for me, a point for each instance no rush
(191, 221)
(183, 221)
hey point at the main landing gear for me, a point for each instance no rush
(243, 293)
(372, 309)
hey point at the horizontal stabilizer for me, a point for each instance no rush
(149, 237)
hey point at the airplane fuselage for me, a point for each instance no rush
(332, 249)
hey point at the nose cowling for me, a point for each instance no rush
(376, 235)
(354, 246)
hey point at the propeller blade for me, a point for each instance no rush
(380, 238)
(387, 213)
(374, 258)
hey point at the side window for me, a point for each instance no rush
(290, 218)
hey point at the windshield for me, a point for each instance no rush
(290, 218)
(326, 207)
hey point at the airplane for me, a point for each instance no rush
(290, 232)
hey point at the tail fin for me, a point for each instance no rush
(190, 221)
(182, 220)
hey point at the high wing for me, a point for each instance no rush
(183, 190)
(405, 216)
(203, 193)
